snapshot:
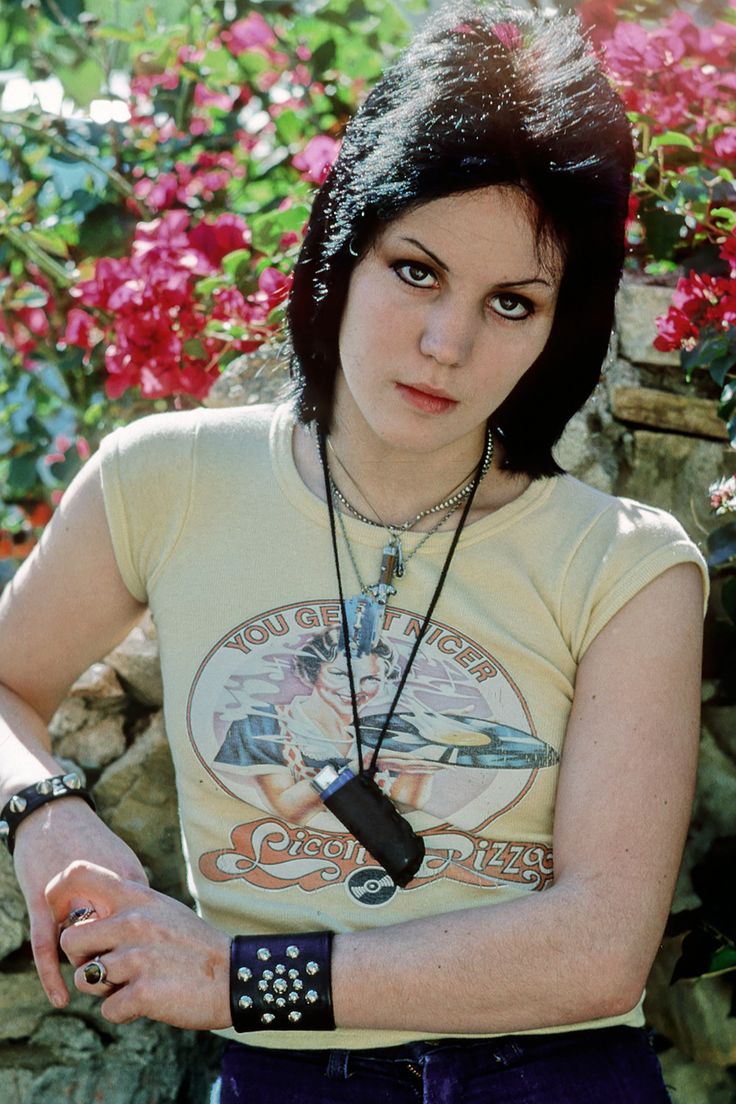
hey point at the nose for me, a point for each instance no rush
(448, 333)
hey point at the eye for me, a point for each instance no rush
(513, 307)
(415, 273)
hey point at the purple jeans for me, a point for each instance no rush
(613, 1065)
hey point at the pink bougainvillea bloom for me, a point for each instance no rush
(275, 284)
(208, 97)
(724, 145)
(224, 235)
(79, 329)
(316, 159)
(250, 33)
(83, 450)
(303, 52)
(508, 34)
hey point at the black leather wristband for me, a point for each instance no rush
(282, 982)
(33, 797)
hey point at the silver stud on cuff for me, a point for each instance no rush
(280, 1002)
(263, 954)
(45, 786)
(268, 998)
(4, 829)
(292, 951)
(18, 804)
(280, 969)
(280, 986)
(262, 986)
(267, 975)
(245, 1003)
(72, 781)
(312, 968)
(244, 974)
(297, 984)
(295, 1016)
(293, 974)
(311, 997)
(293, 998)
(267, 1018)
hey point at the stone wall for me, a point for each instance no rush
(645, 434)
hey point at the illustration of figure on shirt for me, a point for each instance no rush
(291, 741)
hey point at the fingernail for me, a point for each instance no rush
(58, 999)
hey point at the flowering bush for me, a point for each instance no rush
(678, 81)
(127, 280)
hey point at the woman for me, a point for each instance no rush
(451, 309)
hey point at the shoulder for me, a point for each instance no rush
(184, 426)
(604, 522)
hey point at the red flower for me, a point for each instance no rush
(317, 158)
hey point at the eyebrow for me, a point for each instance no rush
(504, 284)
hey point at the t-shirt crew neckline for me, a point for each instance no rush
(313, 507)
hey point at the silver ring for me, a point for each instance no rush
(95, 972)
(77, 915)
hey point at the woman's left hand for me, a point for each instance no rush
(161, 960)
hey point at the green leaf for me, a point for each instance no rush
(722, 545)
(234, 263)
(51, 242)
(725, 215)
(672, 138)
(83, 82)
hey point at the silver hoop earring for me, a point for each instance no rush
(351, 251)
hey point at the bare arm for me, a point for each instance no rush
(582, 949)
(66, 607)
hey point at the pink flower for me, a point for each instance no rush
(724, 145)
(250, 33)
(317, 158)
(275, 284)
(208, 97)
(508, 34)
(224, 235)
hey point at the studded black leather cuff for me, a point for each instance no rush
(31, 798)
(282, 982)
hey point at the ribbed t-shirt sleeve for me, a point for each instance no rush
(147, 478)
(627, 547)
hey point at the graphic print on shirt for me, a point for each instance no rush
(270, 706)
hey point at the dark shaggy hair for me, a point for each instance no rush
(484, 95)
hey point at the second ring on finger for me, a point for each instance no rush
(95, 974)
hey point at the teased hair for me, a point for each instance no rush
(484, 95)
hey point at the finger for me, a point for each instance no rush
(80, 942)
(97, 976)
(85, 883)
(44, 941)
(123, 1005)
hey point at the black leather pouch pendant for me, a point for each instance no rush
(359, 804)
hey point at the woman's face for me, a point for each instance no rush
(333, 685)
(443, 316)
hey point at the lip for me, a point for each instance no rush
(429, 399)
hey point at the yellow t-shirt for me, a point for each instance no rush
(213, 527)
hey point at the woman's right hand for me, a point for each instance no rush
(54, 836)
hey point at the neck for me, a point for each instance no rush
(394, 484)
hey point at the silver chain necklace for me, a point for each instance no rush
(402, 560)
(453, 500)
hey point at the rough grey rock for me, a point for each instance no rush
(636, 308)
(258, 377)
(721, 721)
(693, 1015)
(67, 1059)
(136, 662)
(23, 1003)
(714, 809)
(98, 684)
(13, 918)
(696, 1082)
(673, 472)
(136, 797)
(97, 743)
